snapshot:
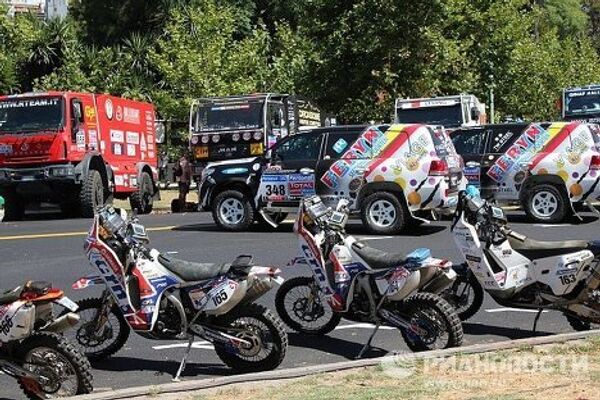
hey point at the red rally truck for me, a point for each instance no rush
(78, 150)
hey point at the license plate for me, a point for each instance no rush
(67, 303)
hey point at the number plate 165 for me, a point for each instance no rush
(221, 294)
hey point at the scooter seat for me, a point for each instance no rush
(536, 249)
(10, 296)
(191, 271)
(378, 259)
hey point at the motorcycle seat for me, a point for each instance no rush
(10, 296)
(191, 271)
(536, 249)
(378, 259)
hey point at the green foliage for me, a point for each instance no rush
(353, 57)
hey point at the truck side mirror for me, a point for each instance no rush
(475, 113)
(76, 119)
(159, 128)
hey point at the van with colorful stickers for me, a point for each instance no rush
(77, 150)
(390, 174)
(547, 168)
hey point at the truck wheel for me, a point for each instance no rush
(545, 203)
(383, 213)
(143, 199)
(14, 207)
(232, 211)
(92, 194)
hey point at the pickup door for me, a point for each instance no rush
(292, 172)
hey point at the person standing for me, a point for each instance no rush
(162, 168)
(184, 173)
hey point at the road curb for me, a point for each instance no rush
(291, 373)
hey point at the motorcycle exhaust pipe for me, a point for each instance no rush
(63, 323)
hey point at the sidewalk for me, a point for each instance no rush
(566, 371)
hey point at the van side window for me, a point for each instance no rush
(339, 143)
(502, 138)
(468, 141)
(299, 147)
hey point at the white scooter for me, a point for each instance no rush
(520, 272)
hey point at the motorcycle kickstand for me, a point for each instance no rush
(177, 377)
(377, 325)
(535, 321)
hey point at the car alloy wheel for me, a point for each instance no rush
(544, 204)
(382, 213)
(231, 211)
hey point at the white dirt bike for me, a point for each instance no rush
(162, 298)
(520, 272)
(360, 283)
(32, 349)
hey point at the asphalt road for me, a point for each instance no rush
(52, 249)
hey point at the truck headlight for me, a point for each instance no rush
(195, 139)
(216, 138)
(62, 171)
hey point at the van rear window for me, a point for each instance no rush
(441, 141)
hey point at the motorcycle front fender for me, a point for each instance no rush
(87, 281)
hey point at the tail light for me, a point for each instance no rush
(595, 162)
(438, 168)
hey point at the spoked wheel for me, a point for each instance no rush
(99, 339)
(435, 323)
(465, 295)
(304, 308)
(62, 369)
(265, 334)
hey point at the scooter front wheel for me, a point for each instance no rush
(435, 323)
(304, 308)
(465, 294)
(99, 341)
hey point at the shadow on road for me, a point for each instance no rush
(161, 367)
(586, 218)
(510, 333)
(333, 345)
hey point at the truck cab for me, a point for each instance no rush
(581, 104)
(450, 112)
(78, 150)
(236, 127)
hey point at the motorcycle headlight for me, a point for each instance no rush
(247, 135)
(216, 138)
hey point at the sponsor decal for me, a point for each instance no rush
(201, 151)
(133, 137)
(4, 105)
(117, 136)
(117, 149)
(131, 150)
(6, 149)
(256, 149)
(522, 151)
(131, 115)
(90, 115)
(119, 113)
(109, 109)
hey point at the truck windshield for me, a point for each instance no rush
(30, 114)
(583, 102)
(210, 117)
(448, 116)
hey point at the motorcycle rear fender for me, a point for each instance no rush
(87, 281)
(224, 296)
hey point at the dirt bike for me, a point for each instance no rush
(360, 283)
(162, 298)
(32, 349)
(520, 272)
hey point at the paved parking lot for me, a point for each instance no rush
(52, 249)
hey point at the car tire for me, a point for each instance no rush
(92, 194)
(14, 206)
(383, 213)
(232, 211)
(143, 199)
(546, 203)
